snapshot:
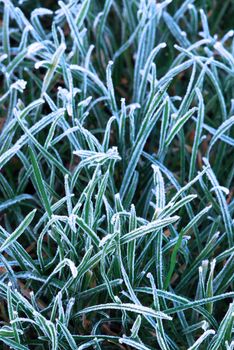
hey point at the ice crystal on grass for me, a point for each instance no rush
(116, 174)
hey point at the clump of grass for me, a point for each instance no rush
(116, 180)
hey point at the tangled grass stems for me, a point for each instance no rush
(116, 175)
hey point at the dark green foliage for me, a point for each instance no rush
(116, 175)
